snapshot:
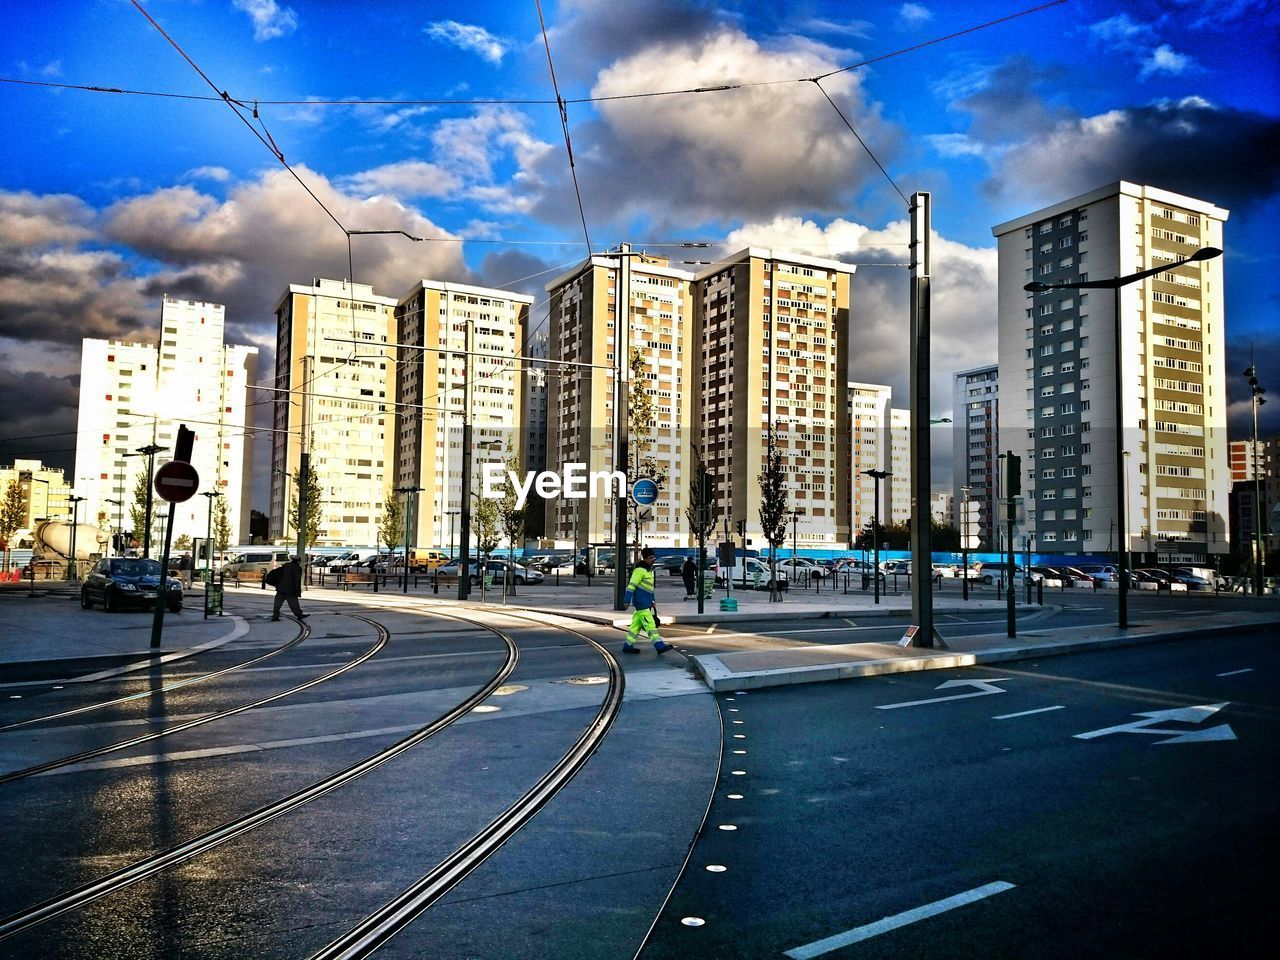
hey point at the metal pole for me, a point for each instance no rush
(621, 410)
(1010, 601)
(73, 569)
(162, 588)
(464, 508)
(1122, 516)
(921, 533)
(408, 523)
(1259, 544)
(964, 542)
(875, 541)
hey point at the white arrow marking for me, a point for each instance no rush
(1178, 714)
(985, 689)
(1232, 673)
(1222, 731)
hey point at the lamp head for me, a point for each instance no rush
(1204, 253)
(1036, 286)
(1248, 371)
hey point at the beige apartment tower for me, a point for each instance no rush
(1058, 385)
(772, 360)
(438, 324)
(334, 396)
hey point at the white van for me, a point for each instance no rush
(252, 562)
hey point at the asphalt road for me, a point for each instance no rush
(1037, 811)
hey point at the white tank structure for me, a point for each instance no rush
(51, 549)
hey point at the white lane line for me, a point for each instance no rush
(1026, 713)
(858, 934)
(1232, 673)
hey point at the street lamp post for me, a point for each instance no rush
(964, 541)
(408, 525)
(1115, 284)
(795, 542)
(877, 476)
(149, 451)
(451, 514)
(1259, 545)
(73, 569)
(210, 495)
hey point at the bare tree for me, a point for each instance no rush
(773, 509)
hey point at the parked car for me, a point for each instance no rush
(1075, 574)
(1215, 580)
(802, 567)
(500, 568)
(1101, 572)
(255, 562)
(420, 559)
(119, 582)
(758, 574)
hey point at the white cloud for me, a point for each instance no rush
(270, 20)
(1123, 32)
(952, 145)
(473, 149)
(1164, 59)
(408, 178)
(218, 174)
(915, 14)
(469, 37)
(748, 152)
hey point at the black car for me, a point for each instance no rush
(119, 582)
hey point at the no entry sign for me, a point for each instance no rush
(177, 481)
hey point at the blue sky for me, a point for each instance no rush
(108, 200)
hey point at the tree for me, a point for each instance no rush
(138, 508)
(484, 522)
(640, 413)
(183, 542)
(221, 525)
(945, 536)
(773, 509)
(12, 513)
(309, 522)
(391, 526)
(511, 517)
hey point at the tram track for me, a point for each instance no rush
(378, 645)
(303, 632)
(124, 877)
(394, 916)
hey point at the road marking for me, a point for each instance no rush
(1232, 673)
(858, 934)
(849, 622)
(1026, 713)
(1180, 714)
(985, 689)
(712, 628)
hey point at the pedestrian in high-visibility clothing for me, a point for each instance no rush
(640, 593)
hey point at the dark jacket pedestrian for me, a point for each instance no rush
(289, 589)
(689, 573)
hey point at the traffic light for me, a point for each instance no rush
(1013, 475)
(706, 496)
(742, 528)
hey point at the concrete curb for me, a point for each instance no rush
(782, 616)
(718, 677)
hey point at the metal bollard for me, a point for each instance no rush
(435, 583)
(1040, 593)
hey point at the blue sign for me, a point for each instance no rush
(644, 492)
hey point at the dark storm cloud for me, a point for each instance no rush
(598, 31)
(1228, 156)
(1009, 105)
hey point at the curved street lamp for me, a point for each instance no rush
(1114, 284)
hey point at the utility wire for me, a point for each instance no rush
(817, 82)
(499, 101)
(564, 125)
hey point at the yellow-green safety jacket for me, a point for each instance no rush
(640, 589)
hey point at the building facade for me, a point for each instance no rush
(772, 362)
(44, 492)
(137, 394)
(900, 465)
(452, 334)
(975, 447)
(580, 394)
(334, 392)
(868, 406)
(1058, 384)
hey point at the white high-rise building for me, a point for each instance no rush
(900, 466)
(136, 394)
(975, 446)
(869, 405)
(1058, 374)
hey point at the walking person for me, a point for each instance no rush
(689, 572)
(288, 586)
(640, 594)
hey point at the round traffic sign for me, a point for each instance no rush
(177, 481)
(644, 492)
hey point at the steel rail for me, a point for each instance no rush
(197, 721)
(302, 635)
(394, 916)
(140, 870)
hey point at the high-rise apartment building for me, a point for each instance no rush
(335, 384)
(136, 394)
(1244, 489)
(580, 400)
(900, 466)
(868, 405)
(1240, 454)
(772, 361)
(1058, 383)
(975, 446)
(453, 333)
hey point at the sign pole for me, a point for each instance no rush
(162, 588)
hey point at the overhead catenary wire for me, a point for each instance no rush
(564, 125)
(818, 83)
